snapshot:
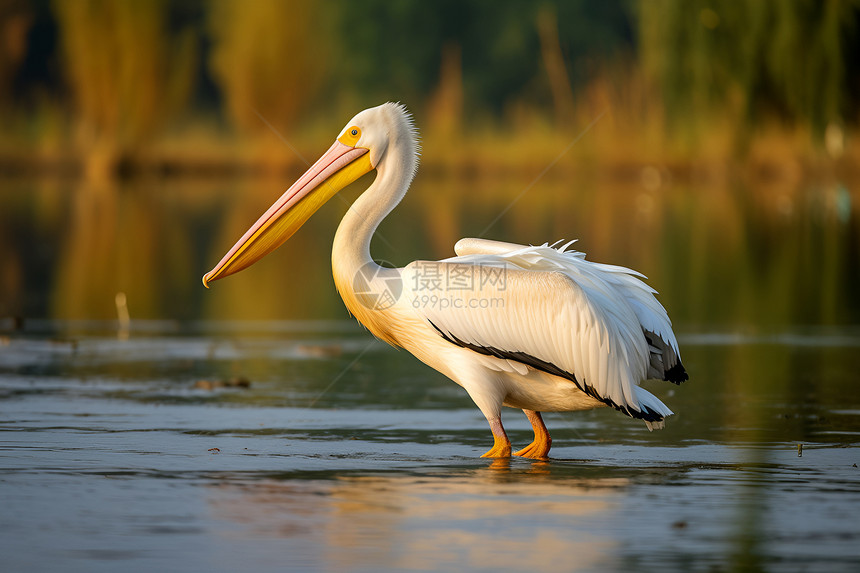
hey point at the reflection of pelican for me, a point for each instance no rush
(536, 328)
(430, 522)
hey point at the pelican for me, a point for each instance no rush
(536, 328)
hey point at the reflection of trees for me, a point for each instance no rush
(764, 256)
(293, 282)
(759, 257)
(86, 275)
(121, 239)
(32, 214)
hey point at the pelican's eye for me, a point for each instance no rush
(351, 136)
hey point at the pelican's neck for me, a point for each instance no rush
(351, 250)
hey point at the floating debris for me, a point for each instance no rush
(12, 323)
(236, 382)
(214, 450)
(71, 344)
(800, 450)
(319, 350)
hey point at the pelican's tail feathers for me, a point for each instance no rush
(648, 402)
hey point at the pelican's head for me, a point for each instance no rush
(360, 147)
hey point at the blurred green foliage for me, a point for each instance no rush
(396, 47)
(126, 75)
(124, 69)
(265, 57)
(789, 61)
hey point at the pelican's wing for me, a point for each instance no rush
(484, 247)
(665, 360)
(546, 308)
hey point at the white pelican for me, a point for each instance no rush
(536, 328)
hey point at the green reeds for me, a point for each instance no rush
(127, 75)
(267, 58)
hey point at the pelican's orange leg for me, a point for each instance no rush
(501, 444)
(539, 448)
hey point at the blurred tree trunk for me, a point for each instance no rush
(553, 60)
(15, 23)
(446, 103)
(267, 58)
(128, 76)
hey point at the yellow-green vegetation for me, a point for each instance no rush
(126, 76)
(266, 58)
(105, 87)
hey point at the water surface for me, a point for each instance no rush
(344, 454)
(255, 427)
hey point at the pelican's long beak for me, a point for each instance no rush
(337, 168)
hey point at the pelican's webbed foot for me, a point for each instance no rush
(501, 448)
(539, 448)
(501, 444)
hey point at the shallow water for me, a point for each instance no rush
(346, 455)
(193, 440)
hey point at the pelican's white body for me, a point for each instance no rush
(531, 327)
(584, 318)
